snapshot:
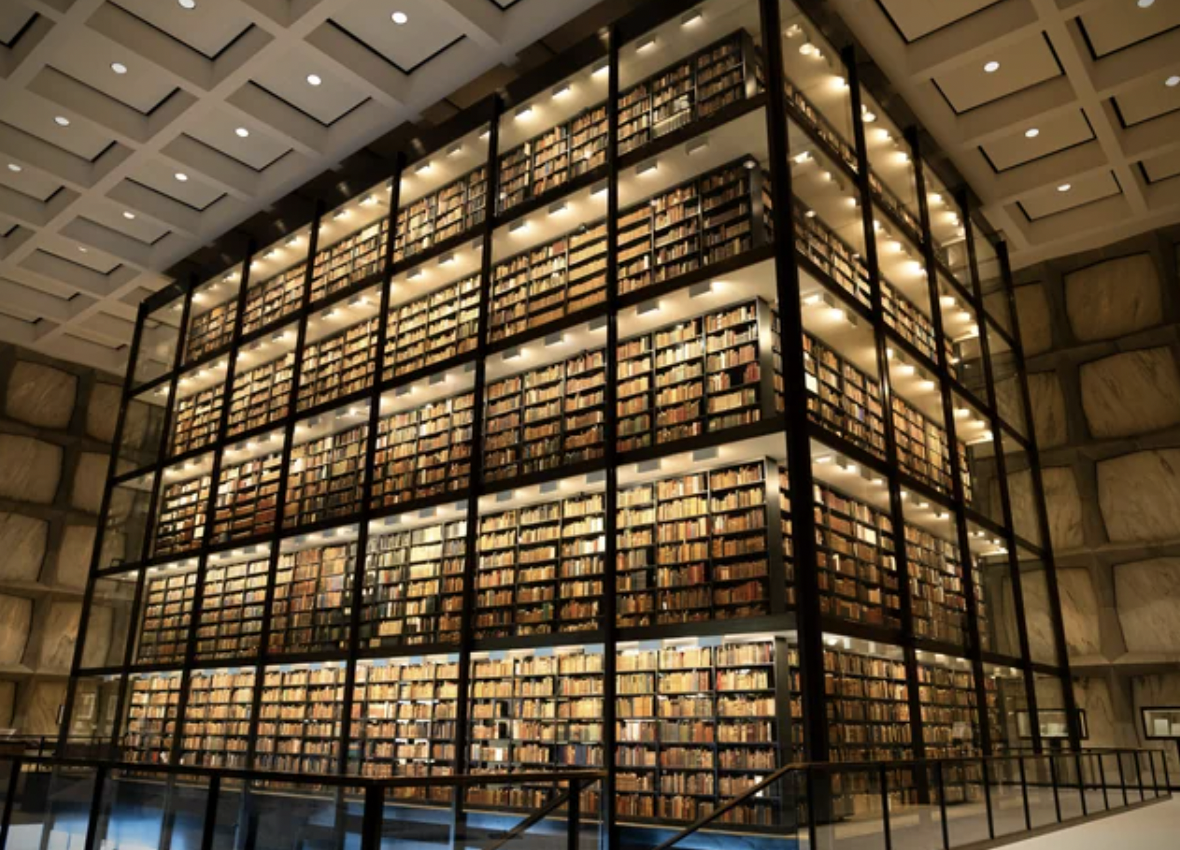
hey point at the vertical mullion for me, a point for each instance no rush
(974, 642)
(1073, 721)
(494, 106)
(125, 396)
(609, 609)
(896, 508)
(218, 448)
(366, 508)
(798, 448)
(1002, 480)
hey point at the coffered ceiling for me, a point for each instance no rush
(1063, 115)
(132, 132)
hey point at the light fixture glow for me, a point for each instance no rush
(562, 91)
(524, 113)
(691, 19)
(1064, 187)
(187, 4)
(339, 214)
(314, 80)
(646, 45)
(242, 132)
(991, 67)
(1172, 81)
(424, 168)
(1031, 133)
(1146, 4)
(61, 121)
(12, 166)
(181, 176)
(802, 158)
(130, 216)
(399, 18)
(119, 68)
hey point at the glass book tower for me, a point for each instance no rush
(668, 415)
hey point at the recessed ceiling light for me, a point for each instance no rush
(187, 4)
(314, 80)
(82, 250)
(400, 18)
(242, 132)
(992, 67)
(1031, 133)
(646, 45)
(61, 121)
(12, 166)
(1172, 81)
(1064, 187)
(118, 67)
(182, 177)
(127, 214)
(1146, 4)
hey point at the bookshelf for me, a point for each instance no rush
(247, 498)
(699, 223)
(180, 522)
(868, 715)
(937, 594)
(550, 160)
(413, 586)
(423, 451)
(692, 89)
(432, 220)
(349, 261)
(910, 323)
(261, 396)
(544, 284)
(270, 301)
(326, 477)
(923, 450)
(545, 418)
(338, 365)
(404, 716)
(701, 375)
(153, 704)
(532, 711)
(824, 249)
(167, 616)
(312, 594)
(217, 718)
(695, 547)
(946, 692)
(233, 598)
(540, 568)
(299, 719)
(858, 576)
(211, 330)
(432, 329)
(195, 420)
(697, 724)
(843, 398)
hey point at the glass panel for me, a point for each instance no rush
(950, 721)
(1041, 804)
(960, 327)
(340, 351)
(1007, 377)
(92, 723)
(195, 414)
(278, 275)
(233, 597)
(212, 317)
(1034, 582)
(1008, 801)
(690, 69)
(353, 243)
(996, 302)
(905, 290)
(143, 426)
(325, 478)
(263, 375)
(125, 524)
(217, 718)
(109, 627)
(313, 592)
(183, 503)
(1051, 715)
(936, 572)
(914, 816)
(158, 344)
(977, 450)
(188, 804)
(299, 724)
(152, 704)
(277, 821)
(1026, 502)
(132, 811)
(52, 809)
(892, 168)
(967, 819)
(1006, 700)
(817, 86)
(165, 617)
(923, 446)
(946, 227)
(997, 621)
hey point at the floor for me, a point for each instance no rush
(1155, 827)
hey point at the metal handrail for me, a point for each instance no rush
(809, 769)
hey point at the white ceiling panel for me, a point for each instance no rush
(80, 241)
(1048, 136)
(1058, 199)
(209, 28)
(917, 18)
(426, 31)
(1117, 24)
(1150, 99)
(1020, 66)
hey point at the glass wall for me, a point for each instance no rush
(447, 430)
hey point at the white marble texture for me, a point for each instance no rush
(1093, 697)
(7, 702)
(1135, 392)
(1079, 610)
(90, 478)
(1063, 507)
(1139, 495)
(1147, 597)
(1032, 314)
(1048, 409)
(1041, 642)
(31, 469)
(45, 699)
(41, 395)
(60, 633)
(16, 616)
(1024, 506)
(74, 555)
(1113, 298)
(22, 546)
(1010, 403)
(103, 411)
(1159, 690)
